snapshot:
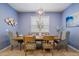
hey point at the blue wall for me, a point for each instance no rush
(5, 12)
(25, 22)
(25, 19)
(74, 31)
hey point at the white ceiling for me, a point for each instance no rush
(33, 7)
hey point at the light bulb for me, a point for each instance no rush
(40, 11)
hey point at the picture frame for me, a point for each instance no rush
(72, 20)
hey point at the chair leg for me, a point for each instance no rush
(44, 52)
(25, 52)
(59, 47)
(66, 48)
(53, 45)
(52, 52)
(11, 47)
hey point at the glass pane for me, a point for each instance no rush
(44, 21)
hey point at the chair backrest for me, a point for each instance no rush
(45, 33)
(60, 36)
(48, 37)
(11, 37)
(63, 35)
(67, 36)
(28, 38)
(10, 34)
(17, 34)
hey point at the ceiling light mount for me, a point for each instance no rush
(40, 11)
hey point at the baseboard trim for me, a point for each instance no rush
(73, 48)
(4, 48)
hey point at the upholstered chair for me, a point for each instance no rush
(12, 36)
(29, 44)
(63, 43)
(47, 43)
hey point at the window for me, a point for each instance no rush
(40, 25)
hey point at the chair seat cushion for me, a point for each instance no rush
(30, 46)
(62, 43)
(45, 45)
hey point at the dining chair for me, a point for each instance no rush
(57, 40)
(17, 34)
(29, 44)
(12, 36)
(47, 43)
(63, 43)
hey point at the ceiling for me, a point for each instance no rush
(33, 7)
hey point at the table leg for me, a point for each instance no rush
(20, 46)
(53, 45)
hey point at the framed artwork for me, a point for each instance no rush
(72, 20)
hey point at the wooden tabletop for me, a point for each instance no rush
(37, 37)
(19, 38)
(56, 38)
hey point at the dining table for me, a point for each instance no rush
(38, 41)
